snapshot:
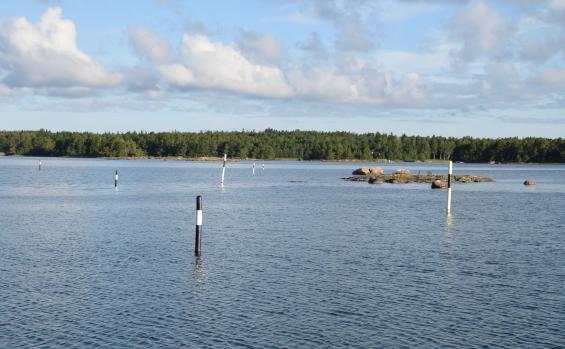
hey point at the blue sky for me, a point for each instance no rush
(446, 67)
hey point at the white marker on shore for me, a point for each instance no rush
(449, 172)
(223, 170)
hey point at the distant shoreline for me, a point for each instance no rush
(217, 158)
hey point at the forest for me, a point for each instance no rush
(273, 144)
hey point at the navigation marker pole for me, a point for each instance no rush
(39, 166)
(197, 242)
(253, 168)
(223, 170)
(263, 167)
(449, 172)
(116, 181)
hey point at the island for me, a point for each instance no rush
(376, 175)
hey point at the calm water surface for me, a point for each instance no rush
(323, 263)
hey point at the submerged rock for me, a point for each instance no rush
(529, 182)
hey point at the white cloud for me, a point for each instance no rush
(423, 62)
(5, 90)
(313, 44)
(214, 65)
(551, 77)
(148, 45)
(480, 31)
(202, 64)
(557, 9)
(365, 86)
(260, 48)
(45, 54)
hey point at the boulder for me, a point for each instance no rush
(377, 171)
(437, 184)
(403, 172)
(529, 182)
(363, 171)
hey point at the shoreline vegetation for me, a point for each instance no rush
(281, 145)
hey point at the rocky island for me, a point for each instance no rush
(376, 175)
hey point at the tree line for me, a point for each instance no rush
(273, 144)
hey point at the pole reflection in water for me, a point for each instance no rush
(200, 272)
(448, 233)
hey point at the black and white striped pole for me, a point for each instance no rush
(223, 170)
(449, 172)
(197, 241)
(116, 181)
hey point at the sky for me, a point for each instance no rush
(420, 67)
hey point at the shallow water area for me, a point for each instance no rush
(293, 256)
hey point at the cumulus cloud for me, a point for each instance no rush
(480, 31)
(551, 77)
(346, 16)
(367, 86)
(259, 48)
(557, 11)
(5, 90)
(149, 45)
(541, 49)
(214, 65)
(45, 54)
(203, 64)
(312, 43)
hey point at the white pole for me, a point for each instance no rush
(223, 170)
(263, 167)
(39, 165)
(116, 181)
(253, 168)
(449, 172)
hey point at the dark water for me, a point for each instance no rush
(324, 263)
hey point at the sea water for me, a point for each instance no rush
(292, 256)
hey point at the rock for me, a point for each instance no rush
(403, 172)
(397, 179)
(376, 180)
(363, 171)
(529, 182)
(438, 184)
(377, 171)
(2, 154)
